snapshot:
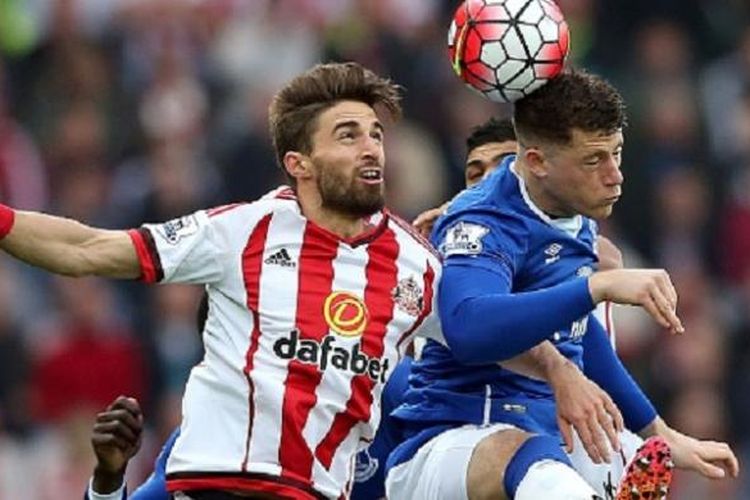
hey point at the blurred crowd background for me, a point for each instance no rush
(116, 112)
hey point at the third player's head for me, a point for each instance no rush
(570, 136)
(486, 147)
(328, 138)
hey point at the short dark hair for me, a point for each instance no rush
(573, 99)
(294, 110)
(493, 130)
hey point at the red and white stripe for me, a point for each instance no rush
(253, 420)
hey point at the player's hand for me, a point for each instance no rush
(584, 406)
(651, 289)
(610, 257)
(116, 439)
(426, 220)
(711, 459)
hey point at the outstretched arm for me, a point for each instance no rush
(65, 246)
(711, 459)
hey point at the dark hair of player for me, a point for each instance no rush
(493, 130)
(293, 112)
(573, 100)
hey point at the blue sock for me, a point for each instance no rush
(535, 449)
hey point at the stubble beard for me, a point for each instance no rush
(349, 196)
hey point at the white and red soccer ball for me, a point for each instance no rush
(506, 49)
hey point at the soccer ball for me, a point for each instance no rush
(506, 49)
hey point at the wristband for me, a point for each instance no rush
(7, 218)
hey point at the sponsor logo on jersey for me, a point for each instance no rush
(463, 238)
(281, 258)
(578, 329)
(553, 253)
(408, 296)
(345, 313)
(327, 353)
(176, 229)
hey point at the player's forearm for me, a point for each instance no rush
(539, 362)
(657, 427)
(482, 324)
(67, 247)
(602, 365)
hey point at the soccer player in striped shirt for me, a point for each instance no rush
(314, 291)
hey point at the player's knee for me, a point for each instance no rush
(502, 460)
(489, 461)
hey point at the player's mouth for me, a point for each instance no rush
(371, 175)
(611, 200)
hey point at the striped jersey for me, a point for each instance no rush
(303, 330)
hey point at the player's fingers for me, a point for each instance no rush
(607, 424)
(650, 306)
(584, 433)
(614, 412)
(600, 438)
(711, 471)
(117, 428)
(665, 283)
(98, 440)
(567, 433)
(721, 452)
(122, 415)
(669, 313)
(126, 403)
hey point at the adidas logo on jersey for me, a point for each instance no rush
(281, 258)
(326, 354)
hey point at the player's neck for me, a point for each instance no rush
(341, 224)
(540, 196)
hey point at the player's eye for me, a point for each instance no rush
(377, 135)
(347, 135)
(591, 162)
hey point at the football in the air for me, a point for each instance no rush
(506, 49)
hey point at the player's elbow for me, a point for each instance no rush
(461, 340)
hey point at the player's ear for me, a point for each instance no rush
(536, 161)
(297, 165)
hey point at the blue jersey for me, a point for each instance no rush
(495, 227)
(369, 474)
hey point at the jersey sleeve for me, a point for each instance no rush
(492, 241)
(183, 250)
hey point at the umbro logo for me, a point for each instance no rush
(280, 258)
(553, 253)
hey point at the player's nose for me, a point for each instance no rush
(613, 174)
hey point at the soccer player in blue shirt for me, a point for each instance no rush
(487, 145)
(520, 277)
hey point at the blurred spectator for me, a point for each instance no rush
(125, 111)
(90, 357)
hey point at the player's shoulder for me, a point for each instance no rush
(281, 199)
(410, 233)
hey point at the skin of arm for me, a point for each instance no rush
(67, 247)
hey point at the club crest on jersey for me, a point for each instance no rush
(408, 296)
(463, 238)
(176, 229)
(365, 466)
(345, 313)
